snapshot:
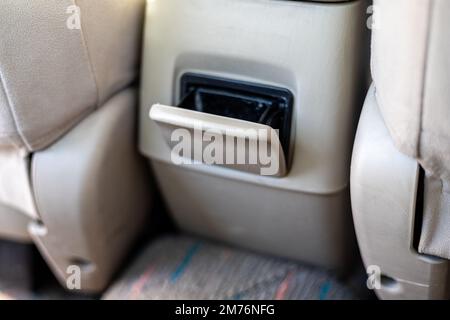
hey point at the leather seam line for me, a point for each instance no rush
(13, 115)
(430, 14)
(90, 64)
(58, 131)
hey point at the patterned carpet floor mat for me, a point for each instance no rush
(183, 267)
(180, 267)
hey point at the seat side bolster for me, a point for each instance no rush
(93, 194)
(383, 192)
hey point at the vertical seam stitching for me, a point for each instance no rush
(90, 64)
(12, 113)
(431, 7)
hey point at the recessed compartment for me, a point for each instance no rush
(248, 125)
(240, 100)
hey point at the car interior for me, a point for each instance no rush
(224, 149)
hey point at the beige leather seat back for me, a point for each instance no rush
(405, 123)
(54, 74)
(59, 62)
(411, 71)
(67, 121)
(411, 64)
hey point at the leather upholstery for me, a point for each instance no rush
(410, 67)
(15, 184)
(13, 225)
(71, 179)
(53, 76)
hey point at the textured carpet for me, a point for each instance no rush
(178, 267)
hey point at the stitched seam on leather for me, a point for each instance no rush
(13, 115)
(430, 13)
(90, 64)
(56, 132)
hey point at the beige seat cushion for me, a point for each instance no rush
(15, 186)
(52, 76)
(13, 225)
(435, 236)
(411, 71)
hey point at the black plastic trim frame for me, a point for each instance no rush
(272, 106)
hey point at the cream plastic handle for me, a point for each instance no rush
(203, 125)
